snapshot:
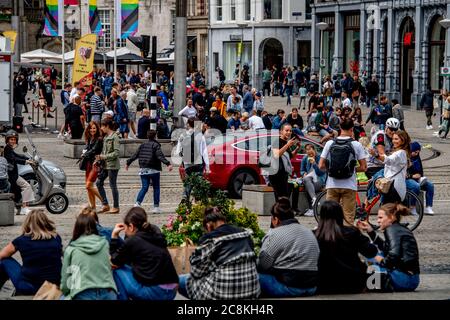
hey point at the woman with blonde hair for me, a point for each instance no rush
(40, 247)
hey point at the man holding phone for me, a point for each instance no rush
(284, 154)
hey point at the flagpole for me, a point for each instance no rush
(115, 39)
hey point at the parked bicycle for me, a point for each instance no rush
(367, 211)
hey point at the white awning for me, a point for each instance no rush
(40, 55)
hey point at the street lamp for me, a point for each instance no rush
(322, 26)
(445, 23)
(241, 25)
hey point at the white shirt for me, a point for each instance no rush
(347, 103)
(397, 162)
(350, 183)
(188, 112)
(72, 94)
(255, 123)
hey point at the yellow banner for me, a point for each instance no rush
(83, 64)
(11, 35)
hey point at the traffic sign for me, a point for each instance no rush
(445, 71)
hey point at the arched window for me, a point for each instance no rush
(436, 54)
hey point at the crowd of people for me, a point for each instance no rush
(293, 261)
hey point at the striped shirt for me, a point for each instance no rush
(96, 105)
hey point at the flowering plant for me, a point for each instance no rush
(187, 223)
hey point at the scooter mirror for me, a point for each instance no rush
(25, 149)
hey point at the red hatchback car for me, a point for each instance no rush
(234, 159)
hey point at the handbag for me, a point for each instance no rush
(384, 184)
(82, 163)
(48, 291)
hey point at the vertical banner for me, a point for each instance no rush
(83, 64)
(94, 18)
(129, 18)
(53, 18)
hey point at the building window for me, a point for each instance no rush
(191, 11)
(437, 47)
(233, 10)
(201, 7)
(351, 44)
(104, 41)
(248, 10)
(273, 9)
(232, 56)
(219, 10)
(308, 9)
(172, 35)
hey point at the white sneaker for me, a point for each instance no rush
(414, 212)
(429, 127)
(24, 211)
(156, 210)
(60, 136)
(309, 213)
(429, 211)
(137, 205)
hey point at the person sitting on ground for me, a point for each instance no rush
(279, 119)
(5, 186)
(266, 120)
(296, 121)
(103, 231)
(234, 122)
(86, 263)
(415, 172)
(400, 254)
(340, 268)
(40, 248)
(313, 178)
(143, 267)
(287, 262)
(224, 264)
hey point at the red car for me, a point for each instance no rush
(234, 159)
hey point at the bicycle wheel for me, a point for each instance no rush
(320, 198)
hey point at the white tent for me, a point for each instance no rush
(40, 55)
(122, 51)
(68, 56)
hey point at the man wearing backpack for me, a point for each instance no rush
(192, 148)
(339, 157)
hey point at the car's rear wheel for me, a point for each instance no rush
(240, 178)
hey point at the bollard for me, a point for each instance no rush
(56, 121)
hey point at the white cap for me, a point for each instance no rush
(109, 113)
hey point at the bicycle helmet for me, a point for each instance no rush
(393, 123)
(10, 134)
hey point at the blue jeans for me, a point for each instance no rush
(112, 175)
(130, 288)
(271, 287)
(298, 132)
(428, 187)
(289, 94)
(10, 269)
(145, 179)
(403, 281)
(182, 287)
(96, 294)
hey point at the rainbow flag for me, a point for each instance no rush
(53, 18)
(129, 17)
(94, 19)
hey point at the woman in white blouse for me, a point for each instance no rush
(189, 111)
(395, 166)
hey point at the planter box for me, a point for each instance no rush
(260, 199)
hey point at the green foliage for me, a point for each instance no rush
(187, 223)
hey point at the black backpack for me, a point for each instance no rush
(341, 159)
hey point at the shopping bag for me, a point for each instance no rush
(48, 291)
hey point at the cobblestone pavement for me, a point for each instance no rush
(433, 235)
